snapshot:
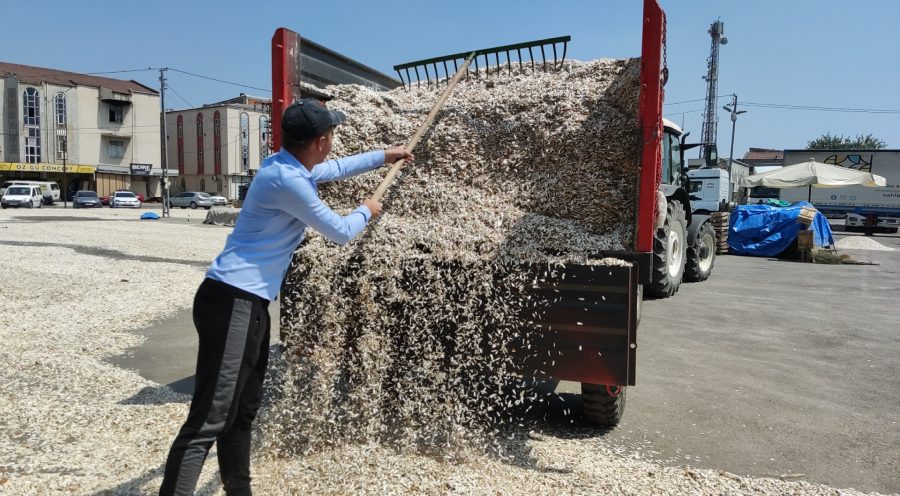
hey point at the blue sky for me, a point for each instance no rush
(825, 53)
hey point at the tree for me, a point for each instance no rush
(860, 142)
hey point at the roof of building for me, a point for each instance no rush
(38, 75)
(215, 106)
(764, 154)
(243, 99)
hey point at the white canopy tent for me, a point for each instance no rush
(813, 174)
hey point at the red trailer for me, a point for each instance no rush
(596, 348)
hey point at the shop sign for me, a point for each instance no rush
(141, 169)
(22, 167)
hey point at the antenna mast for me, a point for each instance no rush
(709, 132)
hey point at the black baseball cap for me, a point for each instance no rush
(309, 118)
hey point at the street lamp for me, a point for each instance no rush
(732, 109)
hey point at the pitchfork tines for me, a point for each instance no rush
(525, 56)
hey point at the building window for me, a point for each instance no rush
(263, 138)
(116, 149)
(245, 141)
(61, 131)
(33, 145)
(200, 143)
(31, 116)
(202, 184)
(179, 126)
(32, 110)
(116, 113)
(60, 109)
(62, 144)
(217, 143)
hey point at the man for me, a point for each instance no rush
(231, 305)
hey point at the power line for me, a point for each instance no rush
(786, 106)
(686, 101)
(169, 86)
(121, 71)
(44, 75)
(220, 80)
(685, 112)
(696, 100)
(822, 108)
(268, 90)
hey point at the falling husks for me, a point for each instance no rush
(404, 337)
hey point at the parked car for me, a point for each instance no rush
(856, 222)
(218, 199)
(22, 195)
(191, 199)
(124, 199)
(85, 198)
(49, 189)
(105, 198)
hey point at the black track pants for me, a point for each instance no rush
(233, 328)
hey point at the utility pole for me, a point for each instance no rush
(165, 148)
(734, 113)
(61, 135)
(65, 155)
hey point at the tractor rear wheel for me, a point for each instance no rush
(603, 405)
(669, 252)
(701, 256)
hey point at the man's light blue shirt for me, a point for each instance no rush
(282, 202)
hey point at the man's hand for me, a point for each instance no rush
(373, 206)
(394, 154)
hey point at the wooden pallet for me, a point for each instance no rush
(720, 222)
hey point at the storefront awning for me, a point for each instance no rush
(70, 168)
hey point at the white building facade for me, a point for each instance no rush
(105, 131)
(218, 147)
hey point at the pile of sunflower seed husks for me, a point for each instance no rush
(405, 336)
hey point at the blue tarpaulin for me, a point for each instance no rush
(149, 216)
(766, 231)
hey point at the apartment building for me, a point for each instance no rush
(218, 147)
(105, 131)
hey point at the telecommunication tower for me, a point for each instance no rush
(709, 132)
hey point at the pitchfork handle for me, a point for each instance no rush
(395, 168)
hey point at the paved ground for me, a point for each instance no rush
(774, 367)
(169, 354)
(769, 368)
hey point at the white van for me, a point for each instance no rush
(22, 195)
(49, 189)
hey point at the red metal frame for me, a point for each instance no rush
(283, 79)
(650, 105)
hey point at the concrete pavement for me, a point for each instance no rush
(773, 367)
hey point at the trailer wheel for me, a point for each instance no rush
(701, 256)
(669, 252)
(603, 405)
